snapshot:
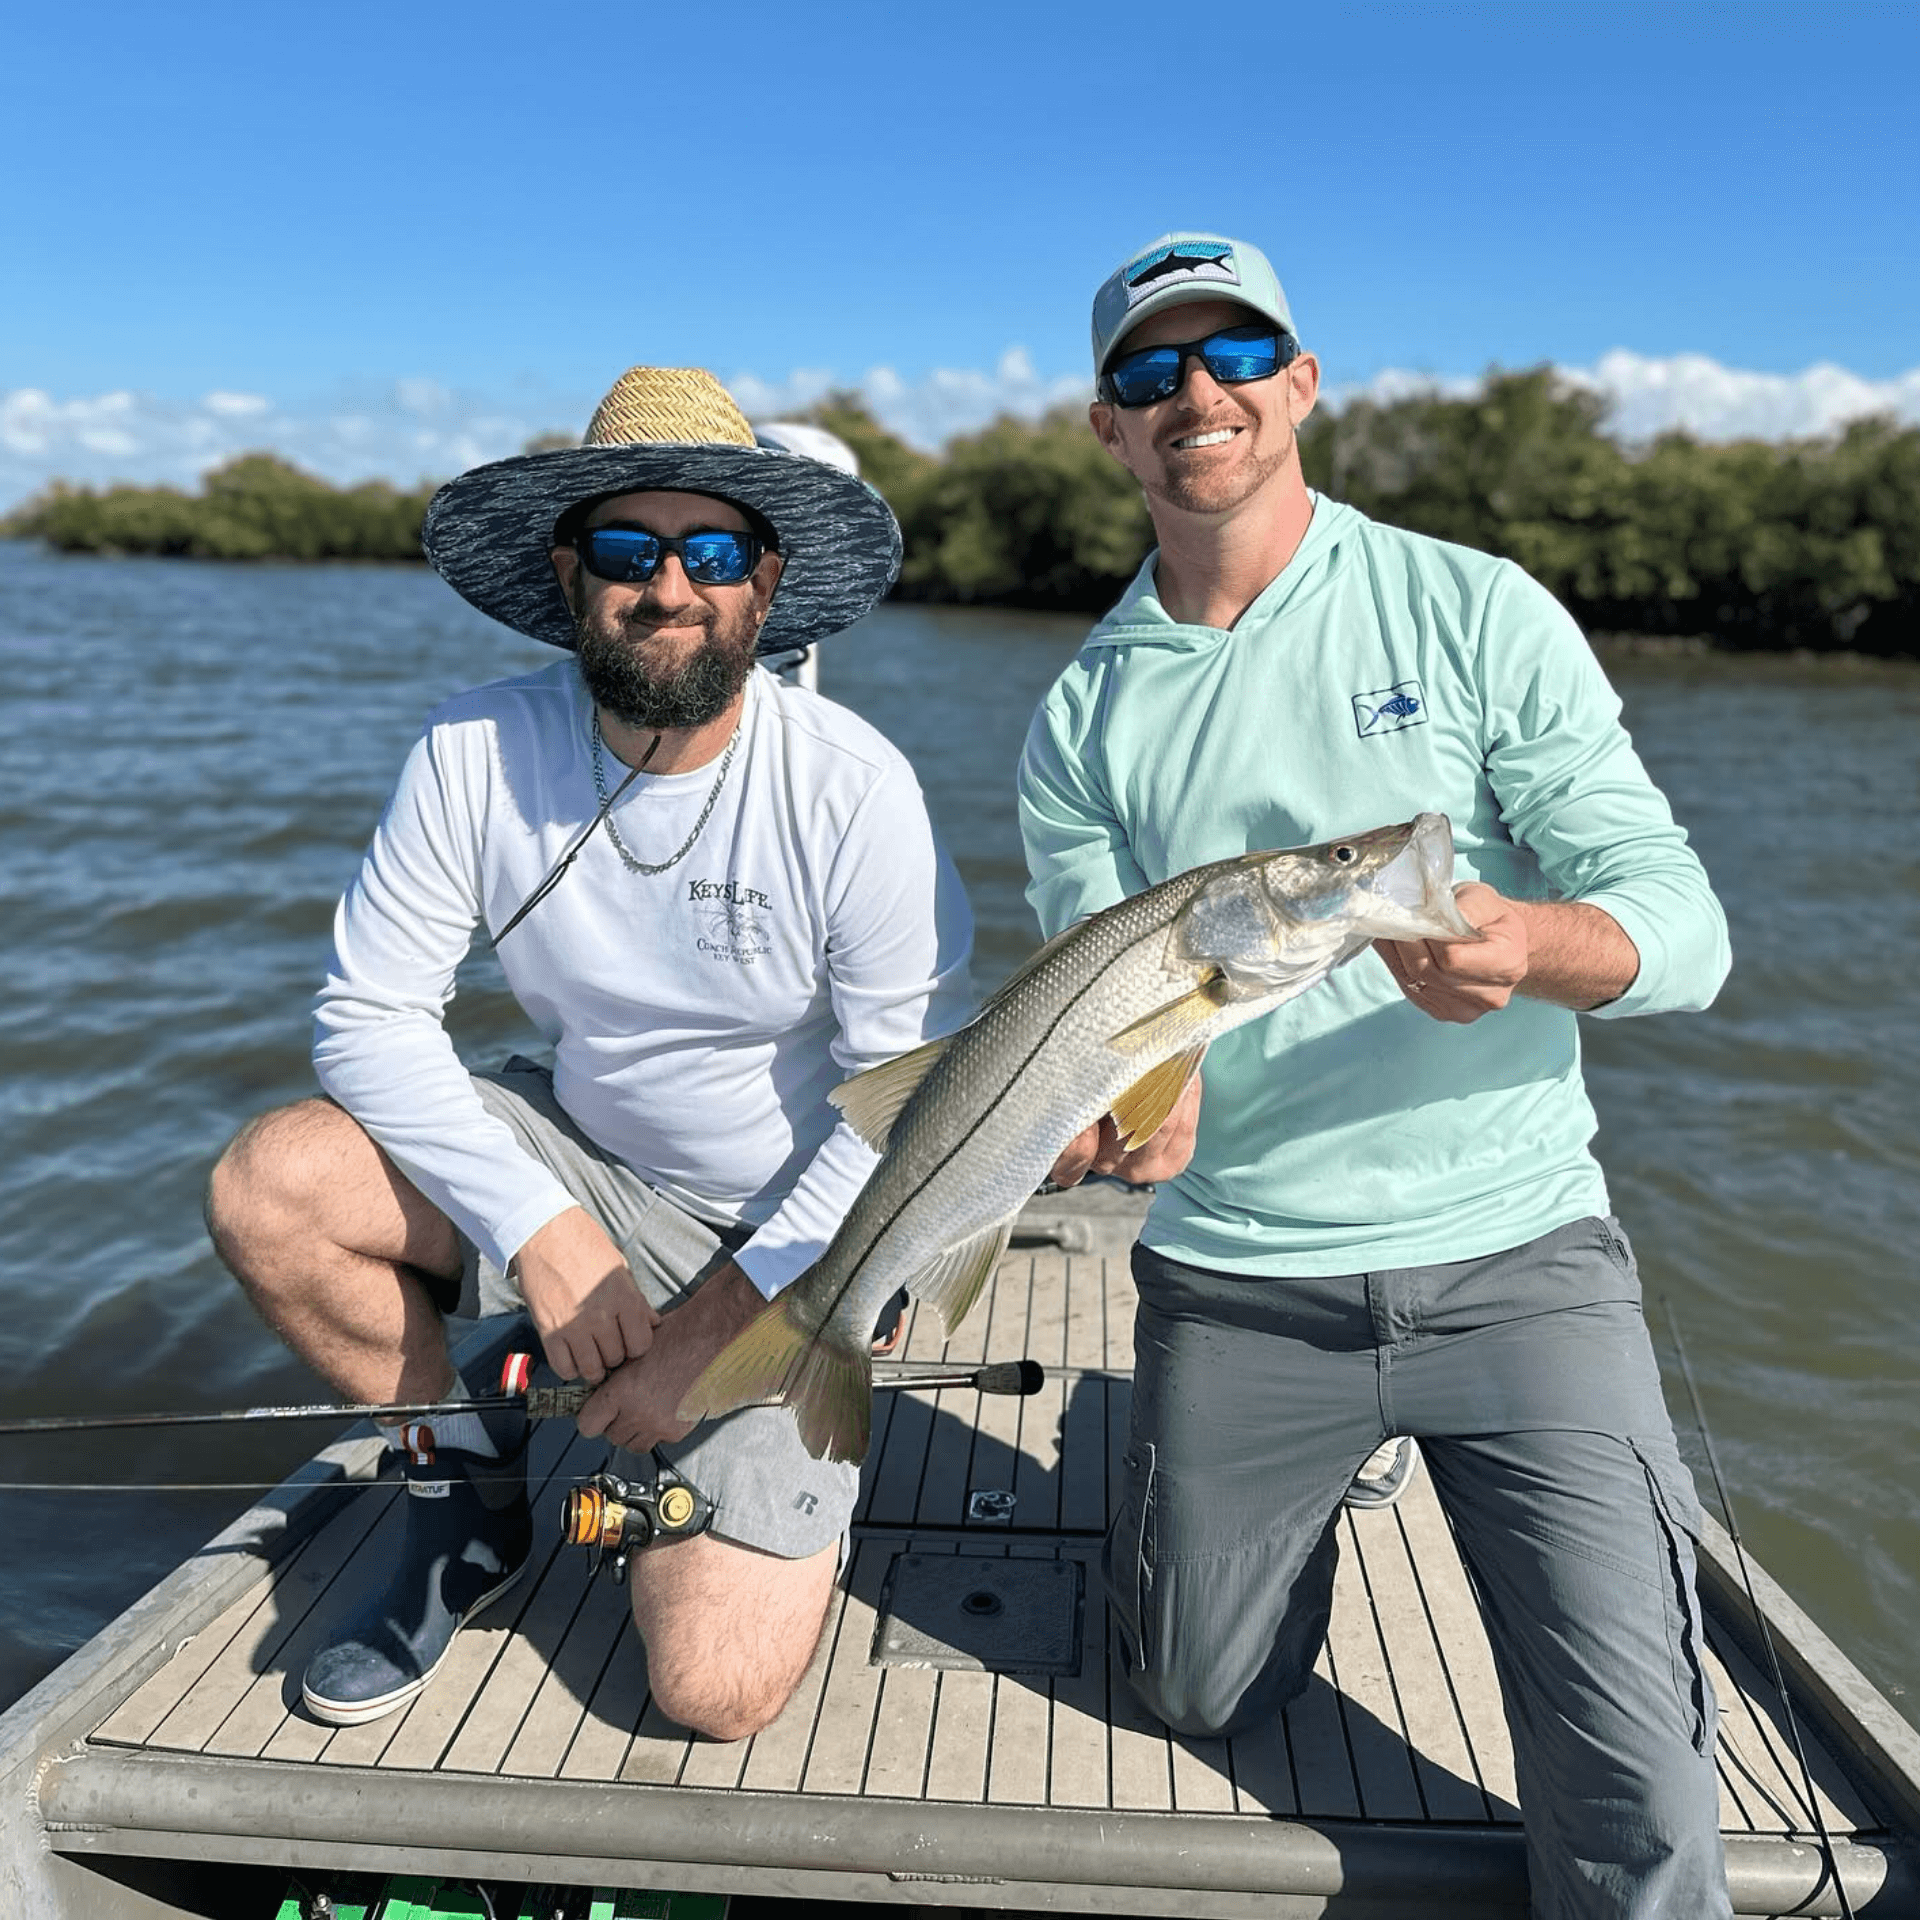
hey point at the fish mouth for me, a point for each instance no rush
(1416, 885)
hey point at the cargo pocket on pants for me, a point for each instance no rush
(1129, 1557)
(1676, 1509)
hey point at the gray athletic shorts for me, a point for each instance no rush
(767, 1490)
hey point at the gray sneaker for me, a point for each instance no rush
(1385, 1474)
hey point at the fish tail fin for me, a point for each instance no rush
(777, 1359)
(832, 1397)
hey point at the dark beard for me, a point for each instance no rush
(619, 681)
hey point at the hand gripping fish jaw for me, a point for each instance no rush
(616, 1518)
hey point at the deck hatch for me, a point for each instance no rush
(983, 1615)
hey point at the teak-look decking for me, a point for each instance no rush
(962, 1738)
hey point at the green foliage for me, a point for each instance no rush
(1025, 515)
(256, 507)
(886, 461)
(1813, 544)
(1028, 515)
(1520, 469)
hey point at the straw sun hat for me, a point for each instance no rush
(675, 429)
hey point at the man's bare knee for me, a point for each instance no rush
(260, 1187)
(729, 1631)
(302, 1180)
(723, 1712)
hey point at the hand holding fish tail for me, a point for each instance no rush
(1101, 1150)
(582, 1297)
(637, 1405)
(785, 1352)
(1564, 951)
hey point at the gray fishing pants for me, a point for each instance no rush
(1530, 1382)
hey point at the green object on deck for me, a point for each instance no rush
(635, 1905)
(406, 1896)
(346, 1906)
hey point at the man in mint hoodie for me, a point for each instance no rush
(1385, 1218)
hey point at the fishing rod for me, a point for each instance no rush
(1760, 1619)
(1017, 1377)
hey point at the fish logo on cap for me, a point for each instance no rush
(1210, 260)
(1178, 268)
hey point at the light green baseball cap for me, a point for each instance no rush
(1178, 268)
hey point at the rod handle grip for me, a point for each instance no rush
(554, 1403)
(543, 1403)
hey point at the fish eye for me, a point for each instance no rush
(1343, 855)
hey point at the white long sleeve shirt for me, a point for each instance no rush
(698, 1017)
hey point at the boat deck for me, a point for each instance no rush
(963, 1736)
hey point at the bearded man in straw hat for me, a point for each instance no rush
(715, 895)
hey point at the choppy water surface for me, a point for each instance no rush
(192, 757)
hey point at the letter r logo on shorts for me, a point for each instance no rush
(804, 1503)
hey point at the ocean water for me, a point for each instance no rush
(192, 757)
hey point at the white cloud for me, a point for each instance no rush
(1723, 403)
(417, 428)
(414, 430)
(1700, 396)
(925, 413)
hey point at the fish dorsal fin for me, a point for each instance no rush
(1142, 1110)
(952, 1283)
(1179, 1025)
(872, 1100)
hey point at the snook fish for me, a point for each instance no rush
(1111, 1016)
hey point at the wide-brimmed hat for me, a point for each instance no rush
(665, 429)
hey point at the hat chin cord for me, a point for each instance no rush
(560, 866)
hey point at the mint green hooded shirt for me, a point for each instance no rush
(1380, 675)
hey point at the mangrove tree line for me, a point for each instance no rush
(1810, 544)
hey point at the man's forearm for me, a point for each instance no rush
(1577, 956)
(1564, 951)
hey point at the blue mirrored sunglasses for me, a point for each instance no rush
(712, 557)
(1233, 356)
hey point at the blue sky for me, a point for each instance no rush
(396, 237)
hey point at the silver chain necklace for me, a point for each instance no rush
(613, 832)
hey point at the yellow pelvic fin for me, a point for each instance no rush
(872, 1100)
(1178, 1026)
(1142, 1110)
(952, 1283)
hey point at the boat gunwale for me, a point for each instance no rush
(1840, 1704)
(123, 1802)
